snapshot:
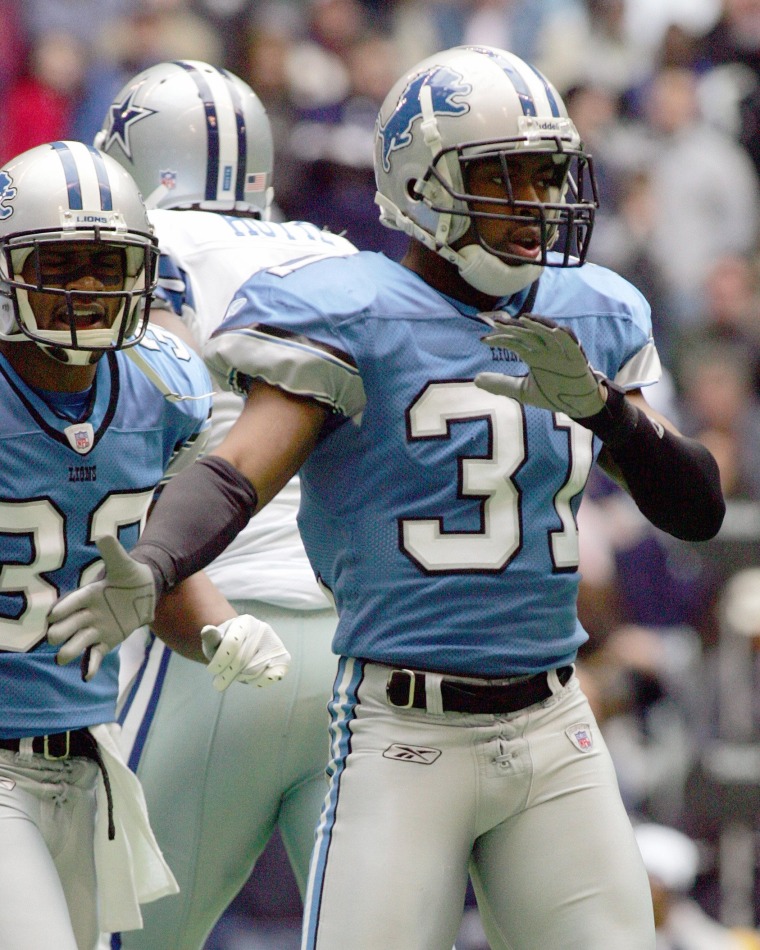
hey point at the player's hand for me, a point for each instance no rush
(96, 618)
(561, 378)
(244, 649)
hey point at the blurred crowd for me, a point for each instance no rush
(666, 95)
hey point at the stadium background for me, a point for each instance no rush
(666, 94)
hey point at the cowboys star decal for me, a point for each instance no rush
(123, 116)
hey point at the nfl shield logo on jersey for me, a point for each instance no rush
(580, 736)
(81, 437)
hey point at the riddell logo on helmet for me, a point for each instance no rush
(558, 124)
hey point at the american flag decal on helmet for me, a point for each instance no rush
(256, 181)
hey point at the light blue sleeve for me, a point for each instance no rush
(181, 376)
(610, 317)
(288, 330)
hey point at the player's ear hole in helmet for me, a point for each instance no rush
(78, 259)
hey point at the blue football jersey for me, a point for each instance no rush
(441, 517)
(62, 485)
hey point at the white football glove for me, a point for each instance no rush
(244, 649)
(560, 378)
(96, 618)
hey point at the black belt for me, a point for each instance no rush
(406, 689)
(59, 745)
(78, 743)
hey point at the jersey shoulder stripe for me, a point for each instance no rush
(291, 361)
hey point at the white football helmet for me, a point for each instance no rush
(475, 103)
(192, 136)
(70, 192)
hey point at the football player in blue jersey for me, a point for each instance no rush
(96, 413)
(197, 141)
(444, 413)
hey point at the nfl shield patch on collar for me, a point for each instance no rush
(81, 437)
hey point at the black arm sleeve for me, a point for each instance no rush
(198, 514)
(674, 480)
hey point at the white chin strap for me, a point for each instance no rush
(480, 269)
(62, 354)
(96, 340)
(57, 343)
(488, 274)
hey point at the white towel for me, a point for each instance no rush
(131, 869)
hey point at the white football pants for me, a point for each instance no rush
(526, 803)
(48, 890)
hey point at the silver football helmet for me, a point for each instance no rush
(477, 103)
(192, 136)
(63, 194)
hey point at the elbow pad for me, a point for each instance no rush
(674, 480)
(199, 512)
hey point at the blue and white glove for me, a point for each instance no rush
(560, 379)
(96, 618)
(245, 650)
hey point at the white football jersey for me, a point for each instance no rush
(206, 256)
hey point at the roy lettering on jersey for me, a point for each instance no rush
(500, 354)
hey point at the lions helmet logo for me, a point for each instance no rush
(7, 193)
(447, 89)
